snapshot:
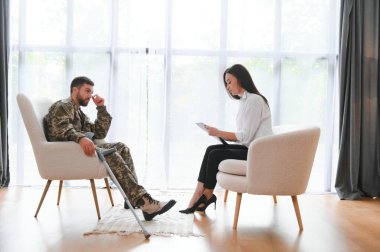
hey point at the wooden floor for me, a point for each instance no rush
(329, 224)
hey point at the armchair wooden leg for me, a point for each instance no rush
(59, 191)
(95, 197)
(43, 197)
(298, 213)
(109, 190)
(275, 199)
(225, 195)
(237, 209)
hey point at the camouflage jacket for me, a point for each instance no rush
(67, 122)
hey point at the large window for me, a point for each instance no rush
(159, 65)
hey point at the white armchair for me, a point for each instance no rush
(58, 160)
(279, 164)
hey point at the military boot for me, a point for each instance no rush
(152, 207)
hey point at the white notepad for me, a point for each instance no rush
(203, 126)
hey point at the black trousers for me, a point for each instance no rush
(213, 156)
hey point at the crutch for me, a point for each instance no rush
(103, 153)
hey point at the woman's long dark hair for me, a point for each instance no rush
(244, 79)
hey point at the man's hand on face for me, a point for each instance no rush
(99, 101)
(88, 146)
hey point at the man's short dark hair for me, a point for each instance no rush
(78, 82)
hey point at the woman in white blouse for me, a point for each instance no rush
(253, 121)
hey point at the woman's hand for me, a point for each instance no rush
(212, 131)
(229, 136)
(99, 101)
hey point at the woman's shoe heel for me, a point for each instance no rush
(209, 202)
(201, 200)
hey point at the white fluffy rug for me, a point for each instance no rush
(122, 222)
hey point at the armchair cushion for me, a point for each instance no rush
(232, 182)
(234, 167)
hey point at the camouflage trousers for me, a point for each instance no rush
(121, 164)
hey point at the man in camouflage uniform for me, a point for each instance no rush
(65, 121)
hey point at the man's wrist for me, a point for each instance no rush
(101, 108)
(80, 138)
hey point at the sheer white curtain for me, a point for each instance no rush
(159, 65)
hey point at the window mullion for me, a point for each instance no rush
(113, 77)
(21, 76)
(275, 108)
(329, 121)
(222, 61)
(69, 40)
(167, 69)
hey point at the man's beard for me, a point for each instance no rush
(82, 101)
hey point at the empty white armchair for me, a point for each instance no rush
(279, 164)
(58, 160)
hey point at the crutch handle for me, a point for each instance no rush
(107, 152)
(104, 152)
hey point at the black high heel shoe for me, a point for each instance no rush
(201, 200)
(209, 201)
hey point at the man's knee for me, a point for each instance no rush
(114, 159)
(122, 147)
